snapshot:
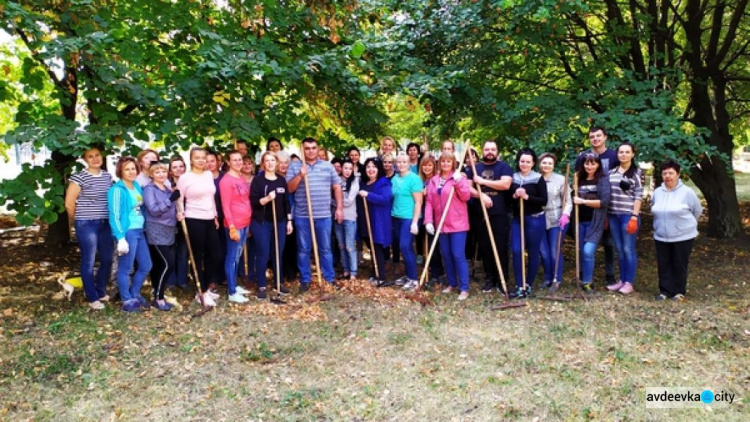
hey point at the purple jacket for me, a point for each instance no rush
(158, 208)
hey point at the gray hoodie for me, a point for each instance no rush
(676, 213)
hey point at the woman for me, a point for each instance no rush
(412, 150)
(388, 165)
(289, 256)
(456, 224)
(213, 165)
(557, 218)
(624, 215)
(427, 172)
(387, 146)
(160, 212)
(676, 210)
(376, 190)
(145, 159)
(266, 188)
(448, 146)
(248, 168)
(407, 207)
(179, 276)
(86, 205)
(530, 187)
(593, 200)
(346, 231)
(197, 191)
(354, 155)
(235, 200)
(274, 145)
(124, 201)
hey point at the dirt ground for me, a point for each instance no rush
(372, 354)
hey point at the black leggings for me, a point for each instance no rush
(204, 239)
(162, 259)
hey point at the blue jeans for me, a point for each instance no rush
(137, 251)
(549, 252)
(406, 246)
(234, 253)
(346, 233)
(95, 236)
(534, 228)
(265, 249)
(452, 247)
(305, 246)
(625, 244)
(588, 250)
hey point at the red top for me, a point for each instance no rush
(235, 201)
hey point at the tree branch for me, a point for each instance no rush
(38, 59)
(731, 33)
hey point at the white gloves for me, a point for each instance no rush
(430, 229)
(457, 175)
(414, 229)
(363, 193)
(272, 195)
(122, 247)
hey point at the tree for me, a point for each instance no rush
(144, 70)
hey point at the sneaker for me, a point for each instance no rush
(282, 290)
(448, 289)
(241, 291)
(304, 287)
(212, 294)
(261, 295)
(373, 281)
(587, 288)
(207, 300)
(679, 297)
(411, 285)
(662, 297)
(519, 293)
(615, 287)
(385, 283)
(166, 306)
(132, 306)
(401, 281)
(489, 286)
(104, 298)
(548, 284)
(463, 296)
(528, 291)
(239, 298)
(96, 305)
(627, 289)
(144, 303)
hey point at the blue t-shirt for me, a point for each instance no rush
(403, 199)
(136, 216)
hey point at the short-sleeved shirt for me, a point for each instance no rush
(322, 177)
(92, 200)
(403, 188)
(136, 215)
(494, 171)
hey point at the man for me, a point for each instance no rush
(322, 178)
(491, 186)
(598, 140)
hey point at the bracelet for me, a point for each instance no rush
(633, 215)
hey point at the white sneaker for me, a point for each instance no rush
(211, 294)
(411, 285)
(242, 291)
(463, 296)
(238, 298)
(207, 300)
(97, 305)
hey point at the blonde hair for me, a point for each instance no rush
(157, 166)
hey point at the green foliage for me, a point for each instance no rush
(36, 193)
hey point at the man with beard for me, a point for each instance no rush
(608, 156)
(491, 186)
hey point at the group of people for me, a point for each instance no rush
(294, 210)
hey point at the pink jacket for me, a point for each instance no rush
(457, 219)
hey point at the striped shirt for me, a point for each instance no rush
(322, 177)
(92, 201)
(622, 200)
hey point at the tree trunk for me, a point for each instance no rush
(719, 189)
(58, 233)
